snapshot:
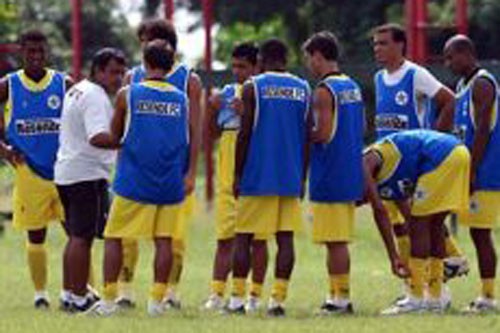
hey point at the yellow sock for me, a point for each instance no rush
(418, 279)
(404, 248)
(218, 287)
(110, 292)
(130, 257)
(37, 262)
(239, 287)
(435, 277)
(488, 288)
(256, 289)
(339, 286)
(158, 291)
(452, 248)
(177, 264)
(279, 290)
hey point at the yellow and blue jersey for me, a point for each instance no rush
(488, 172)
(336, 173)
(396, 106)
(152, 161)
(33, 119)
(406, 156)
(274, 164)
(227, 118)
(178, 76)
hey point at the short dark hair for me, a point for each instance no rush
(158, 29)
(324, 42)
(33, 35)
(247, 51)
(463, 44)
(158, 55)
(397, 32)
(273, 51)
(103, 56)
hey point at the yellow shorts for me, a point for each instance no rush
(225, 203)
(130, 219)
(267, 215)
(395, 215)
(35, 200)
(333, 222)
(446, 188)
(187, 212)
(484, 210)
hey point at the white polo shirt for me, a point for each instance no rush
(87, 111)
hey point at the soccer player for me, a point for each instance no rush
(270, 170)
(29, 141)
(184, 79)
(82, 169)
(405, 93)
(336, 177)
(151, 122)
(225, 111)
(476, 121)
(432, 169)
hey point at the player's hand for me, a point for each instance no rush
(237, 105)
(189, 184)
(215, 102)
(399, 268)
(13, 157)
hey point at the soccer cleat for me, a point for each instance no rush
(331, 307)
(41, 301)
(253, 304)
(481, 305)
(93, 294)
(155, 308)
(236, 305)
(125, 303)
(87, 303)
(455, 267)
(407, 305)
(275, 309)
(214, 303)
(101, 309)
(65, 301)
(171, 301)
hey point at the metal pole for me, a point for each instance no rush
(461, 19)
(207, 139)
(421, 33)
(410, 28)
(76, 39)
(169, 9)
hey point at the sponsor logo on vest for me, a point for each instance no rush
(290, 93)
(27, 127)
(168, 109)
(391, 122)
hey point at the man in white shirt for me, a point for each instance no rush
(83, 168)
(409, 97)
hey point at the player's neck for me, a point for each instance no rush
(35, 75)
(330, 68)
(470, 71)
(156, 75)
(395, 64)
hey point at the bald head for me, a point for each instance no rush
(460, 55)
(460, 44)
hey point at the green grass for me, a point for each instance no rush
(373, 288)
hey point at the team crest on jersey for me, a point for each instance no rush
(401, 98)
(420, 194)
(54, 102)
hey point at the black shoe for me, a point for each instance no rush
(65, 305)
(42, 304)
(276, 311)
(173, 304)
(330, 308)
(89, 302)
(236, 311)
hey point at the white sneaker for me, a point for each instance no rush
(155, 308)
(236, 305)
(482, 305)
(455, 267)
(440, 304)
(253, 304)
(214, 303)
(171, 300)
(102, 309)
(408, 305)
(41, 300)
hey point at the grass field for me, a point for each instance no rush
(373, 288)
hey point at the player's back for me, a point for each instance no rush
(275, 158)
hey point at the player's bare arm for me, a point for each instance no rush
(213, 108)
(194, 96)
(244, 134)
(371, 161)
(445, 101)
(483, 97)
(323, 108)
(6, 151)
